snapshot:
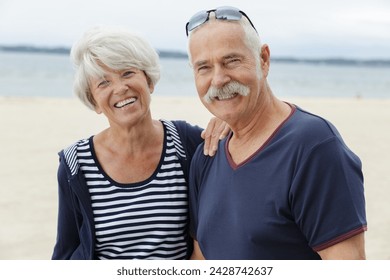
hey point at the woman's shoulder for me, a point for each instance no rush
(68, 155)
(187, 136)
(184, 129)
(75, 145)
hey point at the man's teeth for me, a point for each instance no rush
(226, 96)
(125, 102)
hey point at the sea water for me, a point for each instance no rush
(50, 75)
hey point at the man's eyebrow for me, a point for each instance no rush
(200, 63)
(231, 55)
(225, 57)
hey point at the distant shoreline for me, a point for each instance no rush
(183, 55)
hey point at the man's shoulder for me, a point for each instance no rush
(307, 124)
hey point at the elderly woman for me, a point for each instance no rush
(123, 191)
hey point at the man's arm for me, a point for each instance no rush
(197, 253)
(349, 249)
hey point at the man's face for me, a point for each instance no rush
(220, 56)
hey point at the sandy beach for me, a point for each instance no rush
(34, 130)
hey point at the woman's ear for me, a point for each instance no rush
(98, 110)
(150, 84)
(91, 100)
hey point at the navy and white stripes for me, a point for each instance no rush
(146, 220)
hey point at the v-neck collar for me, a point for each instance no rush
(234, 165)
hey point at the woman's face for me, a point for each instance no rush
(123, 96)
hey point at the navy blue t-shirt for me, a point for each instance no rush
(300, 193)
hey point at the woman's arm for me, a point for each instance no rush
(67, 232)
(214, 132)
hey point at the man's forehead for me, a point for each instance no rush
(213, 24)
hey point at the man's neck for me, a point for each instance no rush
(251, 136)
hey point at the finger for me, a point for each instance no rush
(213, 146)
(220, 128)
(211, 126)
(207, 135)
(215, 137)
(215, 133)
(206, 147)
(224, 132)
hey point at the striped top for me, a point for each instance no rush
(145, 220)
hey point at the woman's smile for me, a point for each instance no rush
(125, 102)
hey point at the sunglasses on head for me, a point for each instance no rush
(221, 13)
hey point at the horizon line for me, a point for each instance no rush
(183, 55)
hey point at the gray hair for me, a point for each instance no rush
(227, 91)
(252, 38)
(115, 48)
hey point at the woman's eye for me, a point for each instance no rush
(127, 73)
(103, 83)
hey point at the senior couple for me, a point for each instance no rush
(281, 185)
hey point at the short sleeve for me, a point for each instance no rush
(327, 195)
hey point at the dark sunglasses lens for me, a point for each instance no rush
(197, 19)
(228, 13)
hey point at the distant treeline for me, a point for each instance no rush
(31, 49)
(63, 50)
(183, 55)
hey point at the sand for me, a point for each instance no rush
(34, 130)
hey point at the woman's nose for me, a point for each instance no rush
(120, 87)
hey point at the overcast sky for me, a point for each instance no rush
(298, 28)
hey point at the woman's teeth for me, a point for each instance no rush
(125, 102)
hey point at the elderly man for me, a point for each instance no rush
(283, 185)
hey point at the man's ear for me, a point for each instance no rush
(265, 58)
(151, 87)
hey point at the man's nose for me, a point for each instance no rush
(220, 77)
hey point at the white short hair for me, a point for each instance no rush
(115, 48)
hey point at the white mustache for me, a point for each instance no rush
(227, 91)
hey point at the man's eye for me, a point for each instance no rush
(202, 69)
(233, 61)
